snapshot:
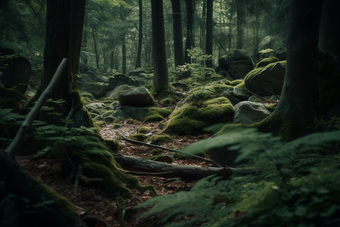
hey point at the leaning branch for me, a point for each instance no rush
(13, 147)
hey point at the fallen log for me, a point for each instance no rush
(170, 170)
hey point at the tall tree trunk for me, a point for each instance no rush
(66, 17)
(240, 23)
(123, 54)
(297, 109)
(188, 41)
(177, 29)
(140, 35)
(95, 47)
(158, 48)
(209, 44)
(203, 25)
(329, 31)
(230, 35)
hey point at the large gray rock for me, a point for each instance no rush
(136, 112)
(17, 69)
(116, 92)
(120, 79)
(268, 80)
(247, 112)
(241, 64)
(236, 95)
(139, 96)
(97, 89)
(136, 72)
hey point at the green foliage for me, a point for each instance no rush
(285, 184)
(143, 130)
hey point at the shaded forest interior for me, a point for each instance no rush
(169, 113)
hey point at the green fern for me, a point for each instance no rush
(294, 180)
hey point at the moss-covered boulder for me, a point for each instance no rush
(167, 102)
(153, 118)
(157, 114)
(139, 137)
(266, 80)
(143, 130)
(120, 79)
(10, 98)
(159, 139)
(139, 96)
(193, 116)
(266, 61)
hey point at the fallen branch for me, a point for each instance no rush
(172, 150)
(170, 170)
(13, 147)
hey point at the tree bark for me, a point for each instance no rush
(296, 112)
(140, 35)
(189, 38)
(158, 47)
(169, 170)
(329, 32)
(63, 37)
(123, 54)
(95, 47)
(209, 44)
(177, 29)
(240, 23)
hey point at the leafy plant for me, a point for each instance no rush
(282, 184)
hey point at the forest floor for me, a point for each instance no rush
(93, 206)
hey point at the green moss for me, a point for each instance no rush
(139, 137)
(10, 97)
(113, 145)
(99, 124)
(77, 101)
(156, 152)
(158, 139)
(119, 75)
(164, 112)
(184, 126)
(115, 126)
(153, 118)
(167, 101)
(231, 128)
(241, 85)
(236, 82)
(264, 62)
(143, 130)
(163, 91)
(212, 88)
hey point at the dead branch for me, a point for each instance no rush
(172, 150)
(170, 170)
(13, 147)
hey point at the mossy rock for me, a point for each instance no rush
(236, 82)
(139, 137)
(188, 119)
(10, 98)
(264, 62)
(167, 101)
(163, 91)
(143, 130)
(115, 126)
(212, 88)
(159, 139)
(154, 118)
(113, 145)
(162, 158)
(164, 112)
(155, 152)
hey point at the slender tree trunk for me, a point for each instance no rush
(230, 35)
(112, 60)
(297, 109)
(140, 35)
(188, 42)
(177, 29)
(95, 48)
(209, 44)
(203, 25)
(158, 48)
(240, 23)
(123, 54)
(329, 31)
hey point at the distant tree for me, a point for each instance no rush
(140, 34)
(209, 43)
(189, 36)
(177, 30)
(158, 47)
(296, 112)
(64, 26)
(240, 23)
